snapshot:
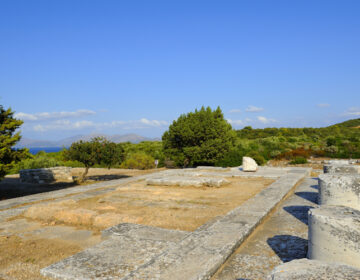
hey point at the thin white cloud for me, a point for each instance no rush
(235, 111)
(323, 105)
(254, 109)
(64, 124)
(353, 111)
(235, 122)
(265, 120)
(53, 115)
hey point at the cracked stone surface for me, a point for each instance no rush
(305, 269)
(282, 238)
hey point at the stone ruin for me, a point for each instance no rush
(333, 229)
(46, 175)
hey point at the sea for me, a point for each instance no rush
(34, 151)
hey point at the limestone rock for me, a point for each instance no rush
(340, 189)
(342, 168)
(249, 164)
(304, 269)
(334, 235)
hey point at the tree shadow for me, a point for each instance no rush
(12, 188)
(106, 177)
(299, 211)
(310, 196)
(288, 247)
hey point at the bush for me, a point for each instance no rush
(260, 160)
(138, 161)
(41, 161)
(198, 138)
(298, 160)
(231, 159)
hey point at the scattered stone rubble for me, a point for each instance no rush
(334, 229)
(46, 175)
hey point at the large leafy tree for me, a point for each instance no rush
(8, 138)
(198, 138)
(96, 151)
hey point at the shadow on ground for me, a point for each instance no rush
(310, 196)
(300, 212)
(288, 247)
(12, 187)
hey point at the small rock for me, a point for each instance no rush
(249, 164)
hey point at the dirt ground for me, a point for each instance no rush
(27, 242)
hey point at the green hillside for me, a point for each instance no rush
(350, 123)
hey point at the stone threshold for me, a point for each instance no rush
(171, 255)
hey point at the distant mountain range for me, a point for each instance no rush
(66, 142)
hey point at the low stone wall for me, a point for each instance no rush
(46, 175)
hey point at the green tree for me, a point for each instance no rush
(88, 153)
(111, 153)
(8, 155)
(198, 138)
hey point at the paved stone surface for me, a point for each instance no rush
(200, 254)
(334, 235)
(114, 258)
(187, 181)
(282, 238)
(342, 168)
(305, 269)
(340, 189)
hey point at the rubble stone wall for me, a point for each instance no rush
(46, 175)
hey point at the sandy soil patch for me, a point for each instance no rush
(23, 259)
(172, 207)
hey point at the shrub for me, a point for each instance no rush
(198, 138)
(138, 161)
(231, 159)
(41, 161)
(298, 160)
(260, 160)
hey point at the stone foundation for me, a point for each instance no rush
(46, 175)
(339, 189)
(304, 269)
(334, 235)
(342, 168)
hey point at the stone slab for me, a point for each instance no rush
(187, 181)
(125, 248)
(340, 189)
(342, 168)
(305, 269)
(334, 235)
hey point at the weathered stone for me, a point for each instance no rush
(342, 168)
(187, 181)
(249, 164)
(334, 235)
(339, 189)
(127, 247)
(46, 175)
(304, 269)
(337, 161)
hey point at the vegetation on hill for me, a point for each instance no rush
(204, 137)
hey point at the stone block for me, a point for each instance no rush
(46, 175)
(304, 269)
(249, 164)
(334, 235)
(339, 189)
(187, 181)
(342, 168)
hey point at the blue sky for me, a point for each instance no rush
(116, 67)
